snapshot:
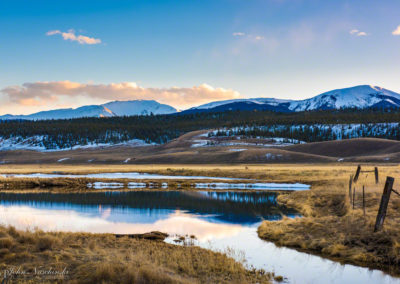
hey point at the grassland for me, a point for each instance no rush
(104, 258)
(329, 226)
(276, 173)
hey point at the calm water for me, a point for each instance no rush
(218, 220)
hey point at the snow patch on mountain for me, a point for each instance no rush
(364, 96)
(138, 107)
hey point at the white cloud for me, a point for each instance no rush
(45, 93)
(358, 33)
(396, 32)
(70, 35)
(238, 34)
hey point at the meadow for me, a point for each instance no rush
(329, 225)
(29, 257)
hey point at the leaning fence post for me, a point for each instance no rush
(357, 173)
(380, 218)
(364, 200)
(350, 184)
(376, 175)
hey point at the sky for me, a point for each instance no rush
(59, 54)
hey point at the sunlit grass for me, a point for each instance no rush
(330, 227)
(103, 258)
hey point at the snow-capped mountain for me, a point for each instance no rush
(65, 113)
(138, 107)
(270, 104)
(115, 108)
(360, 97)
(270, 101)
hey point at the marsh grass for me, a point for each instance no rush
(311, 174)
(104, 258)
(331, 228)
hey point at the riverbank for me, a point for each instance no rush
(331, 228)
(106, 258)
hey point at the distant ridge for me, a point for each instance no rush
(115, 108)
(361, 97)
(358, 97)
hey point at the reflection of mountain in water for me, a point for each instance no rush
(231, 207)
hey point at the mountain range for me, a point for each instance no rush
(115, 108)
(362, 97)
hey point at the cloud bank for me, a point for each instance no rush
(70, 35)
(46, 93)
(396, 31)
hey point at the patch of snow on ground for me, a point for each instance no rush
(102, 185)
(199, 143)
(237, 150)
(136, 185)
(36, 143)
(270, 156)
(127, 160)
(203, 135)
(62, 160)
(257, 186)
(339, 131)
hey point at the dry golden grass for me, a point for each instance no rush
(104, 258)
(273, 172)
(331, 228)
(311, 174)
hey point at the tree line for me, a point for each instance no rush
(160, 129)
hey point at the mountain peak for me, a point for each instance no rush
(138, 107)
(362, 96)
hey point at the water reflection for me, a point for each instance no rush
(245, 208)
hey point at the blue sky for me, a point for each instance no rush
(189, 52)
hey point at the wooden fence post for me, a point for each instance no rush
(376, 175)
(364, 201)
(354, 196)
(350, 185)
(380, 218)
(357, 173)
